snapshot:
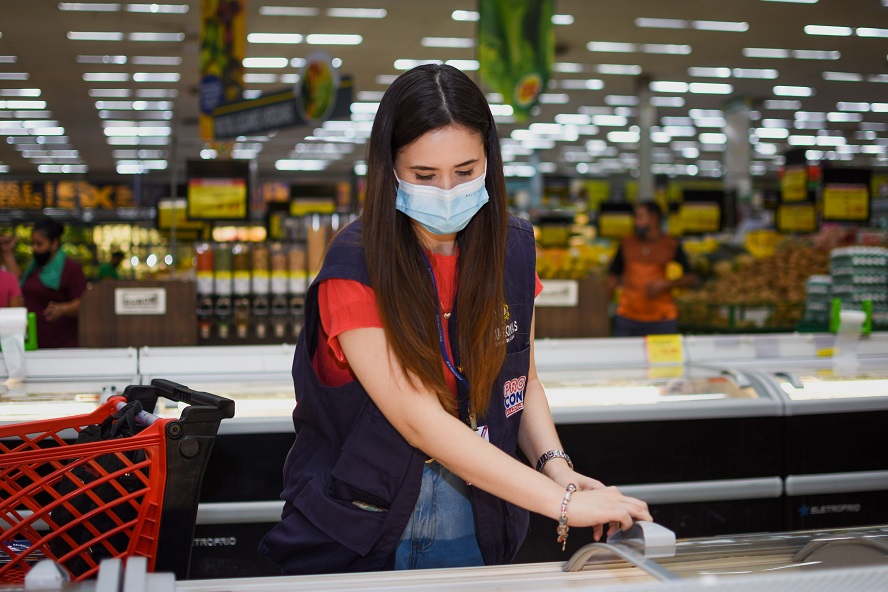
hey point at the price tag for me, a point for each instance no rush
(673, 371)
(615, 225)
(845, 202)
(664, 349)
(794, 184)
(700, 217)
(797, 218)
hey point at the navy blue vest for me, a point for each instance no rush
(346, 451)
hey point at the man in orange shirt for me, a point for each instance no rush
(646, 306)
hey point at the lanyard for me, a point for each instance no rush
(446, 356)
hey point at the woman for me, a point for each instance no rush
(418, 340)
(52, 284)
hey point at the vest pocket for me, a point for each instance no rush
(348, 524)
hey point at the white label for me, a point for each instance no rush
(140, 301)
(559, 293)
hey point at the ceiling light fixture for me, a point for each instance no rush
(288, 11)
(329, 39)
(709, 72)
(89, 6)
(760, 73)
(725, 26)
(843, 76)
(611, 47)
(793, 91)
(95, 36)
(265, 62)
(367, 13)
(871, 32)
(829, 30)
(619, 69)
(158, 8)
(666, 48)
(465, 15)
(283, 38)
(454, 42)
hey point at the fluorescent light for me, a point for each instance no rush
(250, 78)
(841, 117)
(567, 67)
(810, 116)
(666, 48)
(677, 121)
(619, 69)
(283, 38)
(661, 23)
(266, 62)
(101, 59)
(406, 64)
(765, 52)
(590, 84)
(718, 122)
(156, 77)
(288, 11)
(300, 165)
(668, 86)
(465, 65)
(680, 131)
(503, 111)
(802, 140)
(288, 78)
(95, 36)
(324, 39)
(62, 168)
(111, 93)
(624, 100)
(766, 149)
(775, 123)
(7, 59)
(22, 104)
(562, 19)
(814, 54)
(157, 60)
(370, 13)
(877, 78)
(465, 15)
(14, 76)
(830, 140)
(761, 73)
(783, 105)
(609, 120)
(727, 26)
(880, 107)
(623, 137)
(710, 72)
(162, 37)
(157, 93)
(554, 98)
(871, 32)
(794, 1)
(158, 8)
(772, 133)
(830, 30)
(106, 77)
(667, 101)
(465, 42)
(710, 88)
(610, 46)
(843, 76)
(89, 6)
(573, 118)
(856, 106)
(793, 91)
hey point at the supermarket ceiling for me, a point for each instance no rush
(106, 88)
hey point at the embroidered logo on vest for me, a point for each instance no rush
(513, 395)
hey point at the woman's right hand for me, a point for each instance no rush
(606, 506)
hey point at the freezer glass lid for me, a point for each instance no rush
(268, 397)
(30, 400)
(834, 381)
(642, 386)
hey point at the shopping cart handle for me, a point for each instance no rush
(179, 392)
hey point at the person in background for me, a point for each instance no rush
(52, 284)
(108, 270)
(414, 373)
(646, 306)
(10, 292)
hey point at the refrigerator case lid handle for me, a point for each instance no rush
(639, 545)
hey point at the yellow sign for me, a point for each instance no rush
(222, 46)
(761, 243)
(217, 199)
(845, 202)
(797, 217)
(597, 191)
(672, 371)
(301, 207)
(700, 217)
(169, 212)
(613, 225)
(794, 184)
(664, 349)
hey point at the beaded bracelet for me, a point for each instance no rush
(562, 522)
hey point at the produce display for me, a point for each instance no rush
(748, 294)
(575, 263)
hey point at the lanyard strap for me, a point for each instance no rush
(441, 344)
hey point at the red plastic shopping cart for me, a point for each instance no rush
(133, 495)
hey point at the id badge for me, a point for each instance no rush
(483, 432)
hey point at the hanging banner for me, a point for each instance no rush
(516, 49)
(222, 48)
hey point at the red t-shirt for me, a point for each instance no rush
(349, 304)
(62, 332)
(9, 288)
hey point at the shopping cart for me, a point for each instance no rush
(137, 495)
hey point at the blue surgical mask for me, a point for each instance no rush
(442, 211)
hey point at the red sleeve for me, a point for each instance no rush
(74, 285)
(539, 285)
(345, 305)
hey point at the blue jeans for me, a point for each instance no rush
(624, 327)
(441, 530)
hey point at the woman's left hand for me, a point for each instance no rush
(54, 311)
(565, 476)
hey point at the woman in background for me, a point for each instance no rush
(52, 284)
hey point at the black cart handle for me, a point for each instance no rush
(179, 392)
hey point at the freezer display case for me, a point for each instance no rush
(834, 400)
(695, 443)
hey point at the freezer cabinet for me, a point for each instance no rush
(836, 414)
(696, 444)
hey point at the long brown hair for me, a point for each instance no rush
(421, 100)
